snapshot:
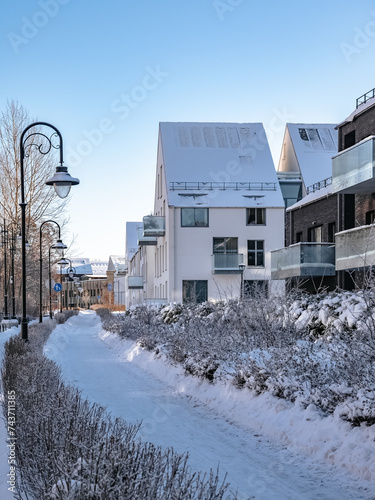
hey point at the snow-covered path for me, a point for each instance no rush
(256, 467)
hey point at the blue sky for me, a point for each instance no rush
(106, 73)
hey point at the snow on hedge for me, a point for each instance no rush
(308, 349)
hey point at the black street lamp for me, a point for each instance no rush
(4, 243)
(63, 262)
(242, 269)
(59, 247)
(62, 182)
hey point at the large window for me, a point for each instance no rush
(255, 253)
(194, 291)
(194, 217)
(314, 234)
(255, 216)
(225, 245)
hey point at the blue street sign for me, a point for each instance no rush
(109, 286)
(57, 287)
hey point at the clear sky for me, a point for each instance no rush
(105, 73)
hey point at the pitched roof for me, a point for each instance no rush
(81, 265)
(218, 165)
(314, 145)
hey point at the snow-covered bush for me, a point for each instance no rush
(70, 449)
(309, 349)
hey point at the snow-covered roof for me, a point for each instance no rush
(81, 265)
(117, 263)
(218, 165)
(131, 245)
(313, 145)
(311, 197)
(99, 267)
(361, 108)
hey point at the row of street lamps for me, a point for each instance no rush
(61, 181)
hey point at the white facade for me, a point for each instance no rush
(139, 263)
(212, 181)
(305, 163)
(118, 268)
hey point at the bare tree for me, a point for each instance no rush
(42, 203)
(41, 200)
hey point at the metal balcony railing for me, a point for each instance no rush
(153, 226)
(355, 248)
(227, 263)
(303, 260)
(353, 168)
(145, 240)
(222, 186)
(365, 97)
(135, 282)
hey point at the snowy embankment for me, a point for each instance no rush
(298, 369)
(119, 375)
(327, 438)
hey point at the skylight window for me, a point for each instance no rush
(318, 139)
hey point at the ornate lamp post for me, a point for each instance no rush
(59, 247)
(62, 182)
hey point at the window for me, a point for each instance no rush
(255, 216)
(254, 288)
(349, 139)
(194, 217)
(225, 245)
(331, 232)
(314, 234)
(299, 237)
(370, 217)
(194, 291)
(255, 253)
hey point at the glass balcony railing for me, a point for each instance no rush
(145, 240)
(227, 263)
(353, 169)
(153, 226)
(135, 282)
(355, 248)
(303, 260)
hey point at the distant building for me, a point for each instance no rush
(116, 272)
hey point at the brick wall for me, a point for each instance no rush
(363, 124)
(318, 213)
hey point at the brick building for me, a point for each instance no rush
(329, 233)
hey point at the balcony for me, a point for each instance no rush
(153, 226)
(227, 263)
(135, 282)
(303, 260)
(355, 248)
(353, 169)
(145, 240)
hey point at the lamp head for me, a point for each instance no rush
(59, 247)
(62, 181)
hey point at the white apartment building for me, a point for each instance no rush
(218, 212)
(139, 263)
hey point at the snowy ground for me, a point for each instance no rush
(269, 448)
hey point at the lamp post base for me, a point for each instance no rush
(24, 330)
